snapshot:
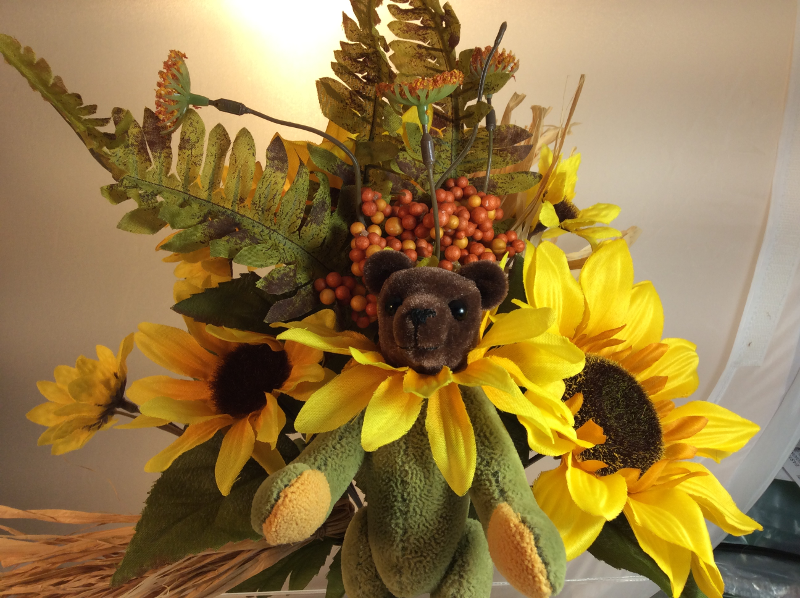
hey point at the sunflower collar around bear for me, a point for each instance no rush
(421, 463)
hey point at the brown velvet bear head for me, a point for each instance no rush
(429, 318)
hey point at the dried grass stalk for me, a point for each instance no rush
(80, 565)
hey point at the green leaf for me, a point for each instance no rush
(279, 281)
(512, 182)
(69, 105)
(142, 221)
(617, 546)
(291, 308)
(300, 567)
(375, 152)
(335, 588)
(186, 514)
(234, 304)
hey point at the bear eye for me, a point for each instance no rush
(458, 309)
(392, 305)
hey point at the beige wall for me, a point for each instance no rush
(680, 119)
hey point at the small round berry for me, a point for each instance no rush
(518, 245)
(470, 258)
(449, 183)
(358, 303)
(374, 238)
(440, 195)
(452, 253)
(405, 196)
(408, 235)
(481, 194)
(409, 244)
(488, 255)
(477, 235)
(499, 245)
(362, 242)
(488, 235)
(511, 236)
(356, 228)
(490, 214)
(460, 234)
(422, 232)
(462, 181)
(476, 248)
(320, 285)
(372, 298)
(369, 209)
(362, 322)
(360, 290)
(380, 204)
(371, 309)
(461, 243)
(411, 254)
(486, 202)
(355, 268)
(499, 213)
(409, 222)
(452, 222)
(463, 223)
(503, 236)
(485, 226)
(352, 243)
(446, 264)
(510, 251)
(356, 255)
(474, 201)
(457, 192)
(327, 297)
(366, 194)
(427, 220)
(378, 218)
(469, 190)
(446, 240)
(373, 249)
(342, 293)
(374, 228)
(416, 209)
(477, 215)
(471, 228)
(389, 211)
(333, 279)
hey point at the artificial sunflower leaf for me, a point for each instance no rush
(512, 182)
(335, 588)
(331, 163)
(279, 280)
(475, 113)
(238, 303)
(300, 568)
(69, 105)
(142, 221)
(617, 546)
(115, 193)
(375, 152)
(291, 308)
(475, 160)
(186, 514)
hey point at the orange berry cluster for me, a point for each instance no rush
(348, 291)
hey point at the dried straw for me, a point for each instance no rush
(80, 565)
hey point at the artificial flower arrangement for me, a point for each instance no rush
(407, 332)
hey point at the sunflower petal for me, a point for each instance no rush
(236, 449)
(600, 212)
(193, 436)
(606, 280)
(679, 365)
(75, 440)
(184, 412)
(552, 285)
(151, 387)
(267, 457)
(452, 438)
(270, 421)
(645, 321)
(390, 414)
(601, 496)
(206, 339)
(340, 400)
(707, 577)
(54, 392)
(488, 372)
(545, 358)
(45, 414)
(317, 332)
(518, 325)
(175, 350)
(578, 528)
(425, 385)
(725, 432)
(300, 355)
(143, 421)
(675, 561)
(373, 358)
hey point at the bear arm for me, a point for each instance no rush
(525, 545)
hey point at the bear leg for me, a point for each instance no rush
(470, 573)
(359, 574)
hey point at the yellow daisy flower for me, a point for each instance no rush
(236, 377)
(83, 399)
(559, 215)
(632, 442)
(516, 351)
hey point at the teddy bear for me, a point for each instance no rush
(415, 535)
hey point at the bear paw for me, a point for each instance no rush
(513, 550)
(300, 509)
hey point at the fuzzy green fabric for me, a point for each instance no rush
(470, 574)
(360, 577)
(337, 454)
(500, 478)
(415, 520)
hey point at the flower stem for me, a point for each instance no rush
(533, 460)
(491, 125)
(130, 409)
(233, 107)
(428, 158)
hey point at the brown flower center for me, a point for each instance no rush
(616, 402)
(244, 376)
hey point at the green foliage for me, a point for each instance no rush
(69, 105)
(186, 514)
(300, 568)
(617, 546)
(511, 182)
(335, 587)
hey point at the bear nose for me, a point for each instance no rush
(418, 316)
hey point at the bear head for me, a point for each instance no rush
(429, 318)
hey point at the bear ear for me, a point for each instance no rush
(381, 265)
(490, 280)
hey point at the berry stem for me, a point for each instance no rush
(491, 125)
(428, 158)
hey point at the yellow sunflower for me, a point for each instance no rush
(197, 270)
(559, 215)
(83, 399)
(632, 441)
(516, 351)
(236, 377)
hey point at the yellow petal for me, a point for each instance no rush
(209, 342)
(373, 358)
(237, 446)
(679, 365)
(185, 412)
(143, 421)
(518, 325)
(304, 390)
(549, 283)
(175, 350)
(488, 372)
(606, 280)
(76, 440)
(425, 385)
(151, 387)
(340, 400)
(578, 528)
(45, 414)
(317, 332)
(725, 432)
(597, 234)
(715, 502)
(193, 436)
(390, 414)
(270, 421)
(267, 457)
(601, 496)
(125, 348)
(674, 517)
(645, 321)
(548, 216)
(237, 337)
(302, 355)
(674, 561)
(65, 374)
(600, 212)
(54, 392)
(545, 358)
(452, 438)
(707, 577)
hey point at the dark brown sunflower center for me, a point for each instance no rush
(245, 375)
(616, 402)
(565, 210)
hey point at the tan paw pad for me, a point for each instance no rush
(300, 510)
